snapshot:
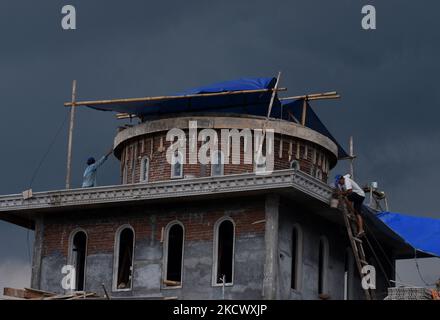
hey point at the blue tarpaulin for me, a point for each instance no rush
(421, 233)
(253, 103)
(234, 85)
(294, 108)
(244, 103)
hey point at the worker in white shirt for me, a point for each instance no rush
(349, 188)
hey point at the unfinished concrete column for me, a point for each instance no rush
(37, 254)
(270, 281)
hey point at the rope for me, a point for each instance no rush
(34, 175)
(378, 262)
(419, 272)
(384, 254)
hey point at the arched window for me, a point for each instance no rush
(173, 254)
(348, 273)
(294, 164)
(123, 261)
(125, 174)
(145, 169)
(77, 257)
(318, 174)
(223, 271)
(323, 265)
(217, 165)
(177, 165)
(260, 164)
(296, 254)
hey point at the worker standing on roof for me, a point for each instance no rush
(349, 188)
(89, 178)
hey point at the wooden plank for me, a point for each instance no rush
(144, 99)
(83, 296)
(24, 293)
(46, 293)
(171, 283)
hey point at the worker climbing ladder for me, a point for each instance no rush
(356, 243)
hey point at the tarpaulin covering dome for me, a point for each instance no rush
(242, 96)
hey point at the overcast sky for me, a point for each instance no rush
(388, 80)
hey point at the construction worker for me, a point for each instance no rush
(349, 188)
(89, 177)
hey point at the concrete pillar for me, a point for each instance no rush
(37, 254)
(270, 281)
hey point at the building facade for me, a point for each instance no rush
(194, 231)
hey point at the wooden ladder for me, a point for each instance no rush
(356, 243)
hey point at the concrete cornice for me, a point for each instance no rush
(226, 122)
(183, 188)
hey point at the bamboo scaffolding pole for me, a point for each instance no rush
(144, 99)
(352, 157)
(337, 96)
(304, 112)
(309, 97)
(70, 139)
(312, 95)
(272, 99)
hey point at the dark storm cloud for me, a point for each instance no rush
(388, 79)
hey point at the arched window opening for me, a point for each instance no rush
(78, 256)
(294, 164)
(177, 165)
(348, 273)
(296, 254)
(125, 174)
(322, 265)
(174, 255)
(318, 174)
(224, 266)
(124, 259)
(217, 165)
(145, 169)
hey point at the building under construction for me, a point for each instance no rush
(197, 231)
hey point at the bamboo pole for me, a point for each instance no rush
(70, 138)
(351, 157)
(144, 99)
(337, 96)
(272, 99)
(304, 112)
(312, 95)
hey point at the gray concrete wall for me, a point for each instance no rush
(250, 263)
(147, 275)
(313, 227)
(148, 259)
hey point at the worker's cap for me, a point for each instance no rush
(337, 178)
(90, 161)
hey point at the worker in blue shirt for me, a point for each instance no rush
(89, 178)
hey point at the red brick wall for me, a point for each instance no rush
(102, 227)
(160, 169)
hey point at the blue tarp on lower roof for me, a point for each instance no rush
(421, 233)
